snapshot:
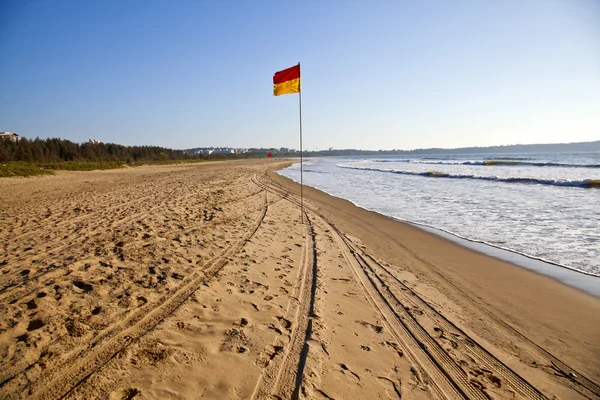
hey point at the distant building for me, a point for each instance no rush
(9, 136)
(223, 150)
(217, 150)
(94, 141)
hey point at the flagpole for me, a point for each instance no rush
(301, 161)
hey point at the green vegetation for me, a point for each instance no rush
(168, 162)
(58, 150)
(20, 168)
(81, 165)
(43, 156)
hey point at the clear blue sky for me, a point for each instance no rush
(376, 74)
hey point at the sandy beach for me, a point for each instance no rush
(204, 281)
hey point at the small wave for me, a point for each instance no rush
(499, 246)
(297, 168)
(539, 164)
(586, 183)
(493, 162)
(388, 161)
(511, 158)
(428, 161)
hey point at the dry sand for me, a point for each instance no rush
(201, 281)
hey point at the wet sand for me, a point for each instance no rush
(202, 281)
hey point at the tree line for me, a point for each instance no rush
(54, 150)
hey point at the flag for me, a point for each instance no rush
(270, 155)
(287, 81)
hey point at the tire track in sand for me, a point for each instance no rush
(450, 379)
(282, 377)
(404, 300)
(13, 292)
(571, 378)
(58, 383)
(380, 306)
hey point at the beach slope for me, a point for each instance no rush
(205, 281)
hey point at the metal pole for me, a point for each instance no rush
(301, 163)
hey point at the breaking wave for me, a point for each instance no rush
(586, 183)
(493, 162)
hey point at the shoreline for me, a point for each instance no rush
(523, 298)
(203, 280)
(571, 277)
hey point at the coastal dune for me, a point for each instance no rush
(206, 281)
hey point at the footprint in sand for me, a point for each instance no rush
(124, 394)
(22, 338)
(35, 324)
(141, 300)
(391, 386)
(85, 287)
(264, 358)
(374, 328)
(274, 328)
(177, 276)
(31, 305)
(253, 305)
(346, 371)
(286, 323)
(395, 347)
(75, 328)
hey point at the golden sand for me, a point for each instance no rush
(201, 281)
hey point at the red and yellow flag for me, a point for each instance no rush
(287, 81)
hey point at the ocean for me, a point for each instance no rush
(545, 206)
